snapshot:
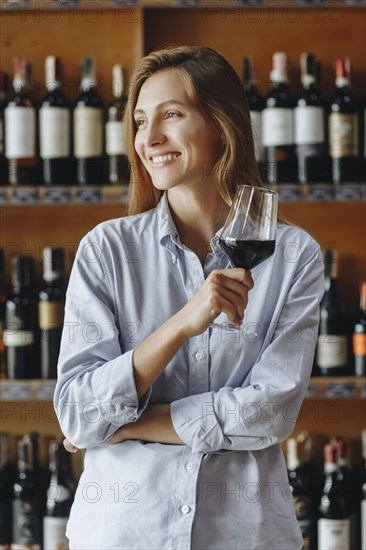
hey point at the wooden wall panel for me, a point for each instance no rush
(112, 36)
(258, 32)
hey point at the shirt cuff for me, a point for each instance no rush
(116, 391)
(195, 420)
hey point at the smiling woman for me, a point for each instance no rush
(183, 413)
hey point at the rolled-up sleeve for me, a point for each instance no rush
(95, 392)
(264, 412)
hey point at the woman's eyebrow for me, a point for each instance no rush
(162, 104)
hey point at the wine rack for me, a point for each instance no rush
(120, 33)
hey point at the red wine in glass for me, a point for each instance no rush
(247, 253)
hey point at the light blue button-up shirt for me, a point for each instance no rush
(234, 395)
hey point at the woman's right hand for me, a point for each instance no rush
(224, 291)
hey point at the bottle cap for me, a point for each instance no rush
(52, 72)
(308, 69)
(88, 79)
(20, 76)
(343, 72)
(292, 454)
(22, 271)
(118, 76)
(53, 263)
(279, 70)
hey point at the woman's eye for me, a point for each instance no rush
(140, 122)
(171, 114)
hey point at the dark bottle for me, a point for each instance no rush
(359, 335)
(51, 310)
(332, 348)
(5, 291)
(343, 128)
(278, 138)
(347, 477)
(118, 165)
(20, 324)
(310, 125)
(20, 128)
(88, 128)
(302, 494)
(363, 491)
(7, 478)
(60, 496)
(42, 474)
(55, 128)
(256, 106)
(27, 519)
(3, 167)
(334, 516)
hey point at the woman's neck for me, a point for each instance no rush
(198, 215)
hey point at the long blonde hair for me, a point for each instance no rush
(215, 89)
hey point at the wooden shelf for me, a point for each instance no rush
(39, 5)
(118, 194)
(324, 388)
(348, 387)
(67, 194)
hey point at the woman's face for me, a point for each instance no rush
(176, 144)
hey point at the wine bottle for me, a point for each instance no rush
(334, 521)
(3, 167)
(88, 128)
(20, 128)
(41, 473)
(55, 128)
(51, 310)
(118, 165)
(347, 478)
(363, 491)
(343, 123)
(310, 125)
(278, 138)
(256, 106)
(27, 524)
(5, 291)
(332, 352)
(359, 335)
(7, 478)
(20, 323)
(301, 493)
(60, 497)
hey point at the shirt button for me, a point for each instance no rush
(189, 466)
(198, 356)
(185, 509)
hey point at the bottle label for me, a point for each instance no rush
(277, 127)
(115, 144)
(359, 344)
(54, 533)
(18, 338)
(331, 351)
(54, 132)
(20, 132)
(256, 120)
(343, 135)
(51, 315)
(88, 132)
(333, 534)
(309, 125)
(363, 524)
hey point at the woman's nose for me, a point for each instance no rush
(153, 135)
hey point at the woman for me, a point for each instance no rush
(182, 422)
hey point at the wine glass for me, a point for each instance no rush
(249, 234)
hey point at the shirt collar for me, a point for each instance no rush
(168, 234)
